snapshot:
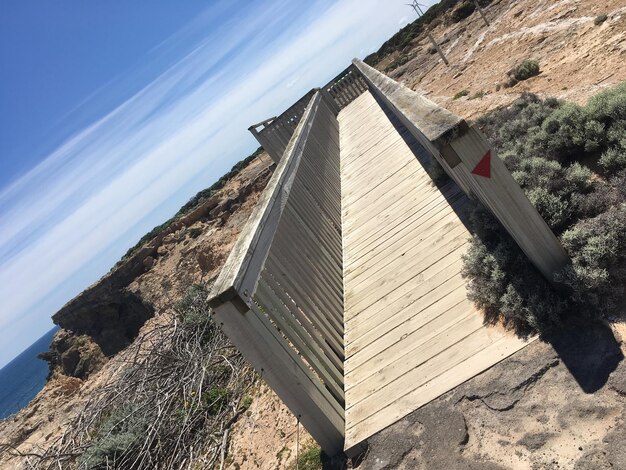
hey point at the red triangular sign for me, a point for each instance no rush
(484, 166)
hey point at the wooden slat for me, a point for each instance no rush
(408, 321)
(279, 297)
(261, 344)
(436, 386)
(299, 337)
(459, 148)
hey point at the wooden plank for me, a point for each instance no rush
(448, 138)
(283, 370)
(435, 387)
(382, 369)
(314, 326)
(243, 266)
(445, 294)
(407, 316)
(394, 383)
(389, 278)
(397, 214)
(299, 337)
(416, 216)
(439, 225)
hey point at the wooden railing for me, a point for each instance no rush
(274, 134)
(346, 87)
(279, 297)
(469, 159)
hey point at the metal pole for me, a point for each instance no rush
(419, 12)
(482, 13)
(443, 57)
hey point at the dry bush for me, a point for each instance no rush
(171, 406)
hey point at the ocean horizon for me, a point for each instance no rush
(24, 377)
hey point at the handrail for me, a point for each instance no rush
(279, 297)
(346, 87)
(277, 131)
(242, 268)
(467, 157)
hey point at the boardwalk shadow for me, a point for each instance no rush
(590, 352)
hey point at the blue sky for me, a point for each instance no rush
(113, 114)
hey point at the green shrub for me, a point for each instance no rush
(246, 403)
(461, 94)
(195, 232)
(546, 144)
(117, 439)
(527, 69)
(401, 60)
(598, 20)
(216, 399)
(311, 459)
(614, 159)
(463, 11)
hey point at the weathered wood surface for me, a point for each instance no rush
(345, 87)
(241, 270)
(279, 297)
(459, 148)
(410, 332)
(275, 133)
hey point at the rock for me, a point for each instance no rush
(109, 315)
(206, 260)
(162, 250)
(535, 441)
(438, 431)
(149, 262)
(73, 355)
(224, 216)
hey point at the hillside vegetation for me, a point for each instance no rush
(571, 162)
(451, 11)
(190, 205)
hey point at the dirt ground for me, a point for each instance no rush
(577, 57)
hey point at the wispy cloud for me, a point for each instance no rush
(67, 220)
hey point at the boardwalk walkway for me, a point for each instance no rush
(410, 332)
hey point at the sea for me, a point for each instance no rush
(24, 377)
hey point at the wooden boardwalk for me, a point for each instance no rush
(410, 332)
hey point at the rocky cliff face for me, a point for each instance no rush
(107, 317)
(125, 308)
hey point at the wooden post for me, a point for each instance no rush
(469, 160)
(482, 13)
